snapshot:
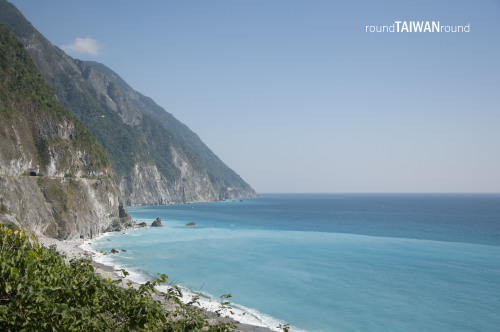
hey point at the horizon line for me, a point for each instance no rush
(386, 192)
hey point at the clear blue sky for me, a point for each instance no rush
(296, 96)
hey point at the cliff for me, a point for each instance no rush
(157, 159)
(55, 179)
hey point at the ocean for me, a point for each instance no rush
(329, 262)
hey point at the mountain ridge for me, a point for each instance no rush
(55, 179)
(157, 159)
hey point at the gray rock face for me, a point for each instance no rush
(83, 204)
(147, 186)
(89, 208)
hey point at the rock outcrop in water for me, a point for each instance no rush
(157, 222)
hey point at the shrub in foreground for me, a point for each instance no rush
(39, 292)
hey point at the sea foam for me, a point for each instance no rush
(205, 301)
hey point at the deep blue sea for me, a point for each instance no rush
(330, 262)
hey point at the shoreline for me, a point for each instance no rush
(72, 249)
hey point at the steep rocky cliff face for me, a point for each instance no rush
(146, 185)
(157, 159)
(55, 179)
(62, 208)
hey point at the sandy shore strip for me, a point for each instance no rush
(72, 250)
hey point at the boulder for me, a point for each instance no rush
(115, 251)
(142, 224)
(191, 223)
(157, 222)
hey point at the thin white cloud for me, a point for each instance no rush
(83, 46)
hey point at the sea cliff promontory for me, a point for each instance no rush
(79, 144)
(157, 159)
(55, 179)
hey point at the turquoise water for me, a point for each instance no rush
(331, 262)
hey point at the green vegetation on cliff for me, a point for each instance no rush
(70, 79)
(131, 127)
(24, 94)
(39, 292)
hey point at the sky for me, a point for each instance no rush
(300, 96)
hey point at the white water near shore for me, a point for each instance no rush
(206, 301)
(108, 267)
